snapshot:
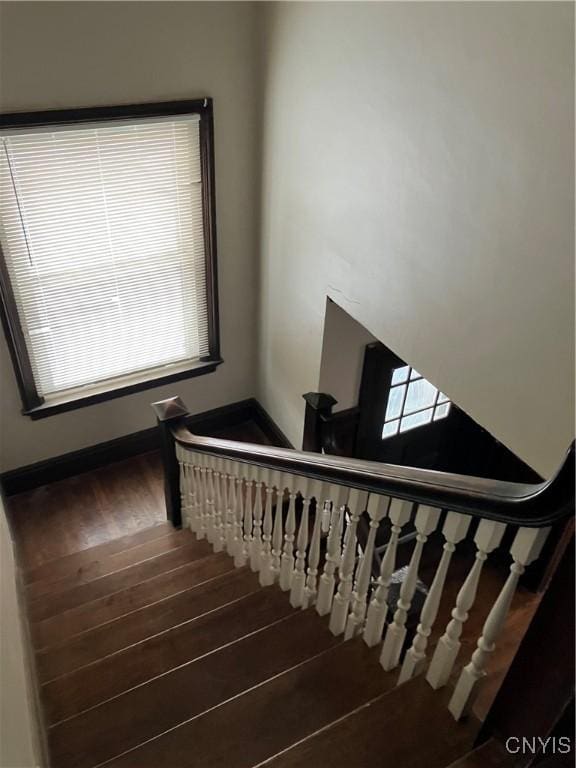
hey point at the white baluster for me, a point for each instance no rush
(202, 482)
(399, 514)
(277, 532)
(319, 491)
(299, 574)
(266, 576)
(425, 522)
(240, 552)
(199, 498)
(287, 560)
(256, 543)
(454, 530)
(326, 514)
(229, 501)
(250, 489)
(191, 491)
(339, 493)
(377, 506)
(341, 603)
(488, 536)
(219, 544)
(183, 485)
(527, 546)
(210, 500)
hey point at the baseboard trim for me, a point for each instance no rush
(86, 459)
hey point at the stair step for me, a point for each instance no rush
(92, 568)
(142, 713)
(72, 622)
(113, 636)
(91, 685)
(51, 605)
(408, 726)
(491, 754)
(60, 567)
(272, 716)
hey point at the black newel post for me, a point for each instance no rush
(171, 413)
(318, 407)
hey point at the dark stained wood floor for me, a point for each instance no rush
(97, 507)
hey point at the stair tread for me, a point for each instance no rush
(113, 636)
(142, 713)
(270, 717)
(59, 567)
(54, 604)
(491, 754)
(137, 664)
(91, 568)
(92, 614)
(408, 726)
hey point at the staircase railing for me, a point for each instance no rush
(255, 503)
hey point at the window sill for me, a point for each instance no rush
(56, 406)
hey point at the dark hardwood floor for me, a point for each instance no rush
(97, 507)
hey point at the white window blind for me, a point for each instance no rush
(102, 234)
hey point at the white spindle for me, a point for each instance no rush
(182, 481)
(287, 561)
(527, 546)
(310, 590)
(249, 488)
(201, 475)
(240, 553)
(219, 544)
(192, 493)
(299, 574)
(229, 493)
(210, 499)
(454, 530)
(341, 602)
(425, 522)
(266, 575)
(199, 498)
(377, 506)
(256, 543)
(488, 536)
(399, 514)
(327, 582)
(277, 530)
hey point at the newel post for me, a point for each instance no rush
(318, 407)
(170, 413)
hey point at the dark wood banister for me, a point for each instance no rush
(535, 505)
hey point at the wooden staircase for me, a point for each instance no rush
(154, 652)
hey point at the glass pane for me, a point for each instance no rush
(395, 399)
(421, 394)
(415, 375)
(441, 411)
(442, 398)
(416, 420)
(399, 375)
(390, 428)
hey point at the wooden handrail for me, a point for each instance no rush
(533, 505)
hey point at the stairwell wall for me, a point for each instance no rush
(19, 725)
(57, 55)
(418, 169)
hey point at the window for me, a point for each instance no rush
(107, 232)
(412, 402)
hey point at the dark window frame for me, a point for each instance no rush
(34, 404)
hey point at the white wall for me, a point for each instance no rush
(19, 737)
(56, 55)
(418, 169)
(343, 346)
